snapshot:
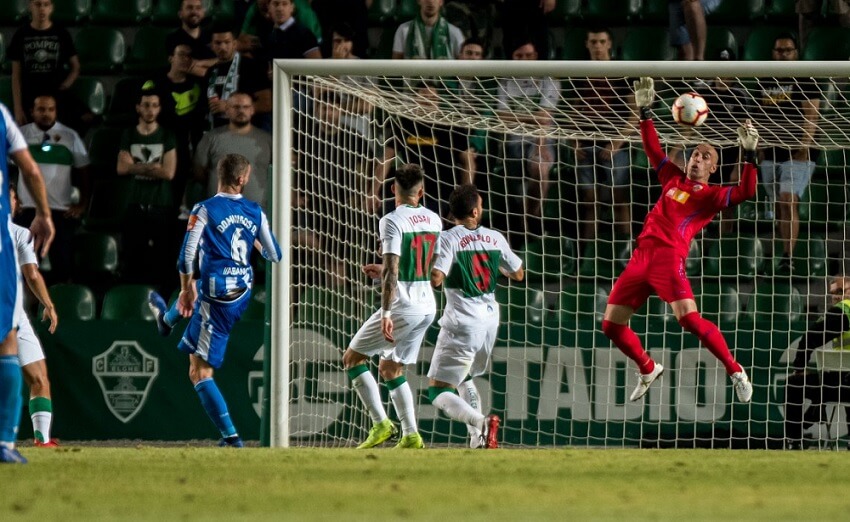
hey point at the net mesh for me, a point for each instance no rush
(563, 175)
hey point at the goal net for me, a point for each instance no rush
(555, 150)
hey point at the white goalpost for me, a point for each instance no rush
(555, 151)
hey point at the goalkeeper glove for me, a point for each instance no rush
(748, 136)
(644, 92)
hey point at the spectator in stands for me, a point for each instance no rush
(523, 20)
(148, 158)
(428, 36)
(258, 25)
(183, 110)
(44, 62)
(237, 137)
(290, 38)
(687, 26)
(811, 13)
(236, 73)
(63, 160)
(335, 13)
(191, 33)
(529, 101)
(472, 49)
(342, 43)
(603, 166)
(786, 171)
(442, 151)
(818, 387)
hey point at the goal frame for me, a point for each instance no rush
(282, 171)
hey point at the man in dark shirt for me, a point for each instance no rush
(818, 387)
(191, 33)
(290, 38)
(44, 63)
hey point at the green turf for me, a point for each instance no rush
(166, 484)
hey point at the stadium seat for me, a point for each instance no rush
(565, 11)
(781, 12)
(223, 11)
(406, 10)
(122, 105)
(646, 43)
(91, 93)
(604, 259)
(825, 204)
(164, 13)
(741, 257)
(549, 259)
(381, 12)
(614, 12)
(103, 151)
(521, 305)
(775, 302)
(70, 12)
(147, 54)
(95, 256)
(73, 302)
(6, 91)
(809, 257)
(719, 303)
(693, 265)
(718, 39)
(106, 209)
(655, 12)
(759, 45)
(736, 13)
(827, 43)
(120, 12)
(575, 47)
(584, 302)
(127, 303)
(384, 50)
(101, 50)
(13, 12)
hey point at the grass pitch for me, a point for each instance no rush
(163, 484)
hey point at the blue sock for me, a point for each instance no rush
(172, 316)
(10, 398)
(213, 403)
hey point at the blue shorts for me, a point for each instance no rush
(10, 291)
(209, 328)
(678, 32)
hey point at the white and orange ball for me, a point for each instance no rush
(690, 109)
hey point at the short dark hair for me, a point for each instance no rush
(787, 36)
(148, 89)
(230, 167)
(598, 29)
(222, 27)
(474, 40)
(408, 177)
(345, 30)
(463, 201)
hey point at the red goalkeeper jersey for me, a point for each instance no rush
(685, 207)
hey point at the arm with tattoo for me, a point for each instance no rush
(389, 280)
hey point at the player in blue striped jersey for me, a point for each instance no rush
(216, 250)
(15, 147)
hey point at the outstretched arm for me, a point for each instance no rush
(748, 137)
(644, 94)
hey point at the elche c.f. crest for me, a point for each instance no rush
(125, 373)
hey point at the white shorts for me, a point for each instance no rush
(29, 347)
(464, 352)
(408, 330)
(786, 177)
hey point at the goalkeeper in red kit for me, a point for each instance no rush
(687, 204)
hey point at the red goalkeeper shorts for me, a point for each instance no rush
(661, 270)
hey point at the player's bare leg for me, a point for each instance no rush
(40, 406)
(405, 407)
(10, 399)
(366, 387)
(789, 225)
(615, 326)
(695, 22)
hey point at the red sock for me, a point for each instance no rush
(711, 337)
(628, 343)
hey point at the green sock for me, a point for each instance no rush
(41, 413)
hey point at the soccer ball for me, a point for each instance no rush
(690, 109)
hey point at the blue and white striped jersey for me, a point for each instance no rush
(10, 292)
(218, 243)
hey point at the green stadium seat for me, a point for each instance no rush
(101, 50)
(384, 50)
(13, 12)
(406, 10)
(575, 47)
(759, 45)
(122, 105)
(120, 12)
(739, 13)
(73, 302)
(775, 302)
(646, 43)
(91, 93)
(106, 209)
(781, 12)
(565, 11)
(95, 256)
(655, 312)
(164, 13)
(549, 259)
(6, 91)
(604, 259)
(741, 257)
(693, 265)
(809, 258)
(127, 303)
(825, 204)
(70, 12)
(827, 43)
(521, 305)
(103, 151)
(381, 12)
(223, 11)
(655, 12)
(719, 303)
(147, 54)
(584, 302)
(718, 39)
(615, 12)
